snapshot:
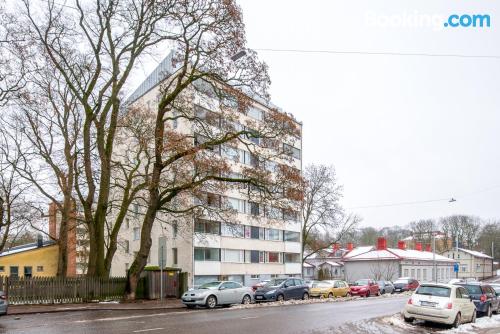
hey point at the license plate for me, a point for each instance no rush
(187, 299)
(430, 304)
(258, 297)
(397, 289)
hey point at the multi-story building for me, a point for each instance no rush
(472, 264)
(261, 242)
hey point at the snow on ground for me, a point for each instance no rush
(315, 301)
(478, 327)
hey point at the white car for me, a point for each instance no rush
(216, 293)
(443, 303)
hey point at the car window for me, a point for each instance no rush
(210, 285)
(299, 282)
(473, 289)
(235, 285)
(227, 285)
(275, 282)
(458, 293)
(497, 289)
(464, 293)
(361, 282)
(289, 282)
(431, 290)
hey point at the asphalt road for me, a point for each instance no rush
(306, 318)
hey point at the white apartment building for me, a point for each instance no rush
(260, 242)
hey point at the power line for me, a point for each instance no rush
(448, 199)
(380, 53)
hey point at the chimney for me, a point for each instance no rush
(39, 241)
(418, 246)
(350, 246)
(401, 245)
(428, 248)
(381, 243)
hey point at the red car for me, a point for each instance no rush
(365, 288)
(405, 284)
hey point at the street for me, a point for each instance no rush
(307, 318)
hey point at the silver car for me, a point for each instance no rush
(3, 303)
(216, 293)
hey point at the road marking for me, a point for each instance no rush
(131, 317)
(246, 318)
(147, 330)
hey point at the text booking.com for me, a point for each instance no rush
(416, 19)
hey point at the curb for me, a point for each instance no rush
(92, 309)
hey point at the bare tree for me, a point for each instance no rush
(324, 220)
(464, 228)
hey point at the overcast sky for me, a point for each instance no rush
(396, 128)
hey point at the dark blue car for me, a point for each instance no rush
(279, 289)
(484, 297)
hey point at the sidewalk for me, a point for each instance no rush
(99, 306)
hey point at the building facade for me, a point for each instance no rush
(38, 259)
(472, 264)
(382, 263)
(259, 243)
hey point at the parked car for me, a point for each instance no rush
(340, 288)
(385, 287)
(365, 288)
(329, 289)
(455, 281)
(218, 293)
(405, 284)
(484, 297)
(259, 285)
(4, 305)
(443, 303)
(279, 289)
(496, 287)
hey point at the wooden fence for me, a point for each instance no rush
(51, 290)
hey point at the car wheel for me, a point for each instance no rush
(367, 294)
(489, 312)
(246, 300)
(280, 298)
(407, 319)
(458, 320)
(473, 320)
(305, 296)
(378, 293)
(330, 295)
(382, 292)
(349, 294)
(211, 301)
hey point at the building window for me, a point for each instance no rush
(254, 208)
(254, 256)
(127, 223)
(291, 151)
(274, 213)
(174, 255)
(232, 230)
(236, 204)
(207, 226)
(406, 273)
(292, 258)
(413, 273)
(424, 274)
(207, 254)
(273, 234)
(464, 268)
(175, 229)
(292, 236)
(274, 275)
(418, 274)
(137, 233)
(28, 272)
(233, 255)
(126, 245)
(136, 210)
(255, 113)
(2, 269)
(14, 271)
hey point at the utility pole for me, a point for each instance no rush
(161, 273)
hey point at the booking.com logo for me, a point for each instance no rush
(417, 20)
(465, 20)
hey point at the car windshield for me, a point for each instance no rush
(210, 285)
(321, 285)
(275, 282)
(473, 289)
(381, 283)
(361, 282)
(497, 289)
(401, 281)
(430, 290)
